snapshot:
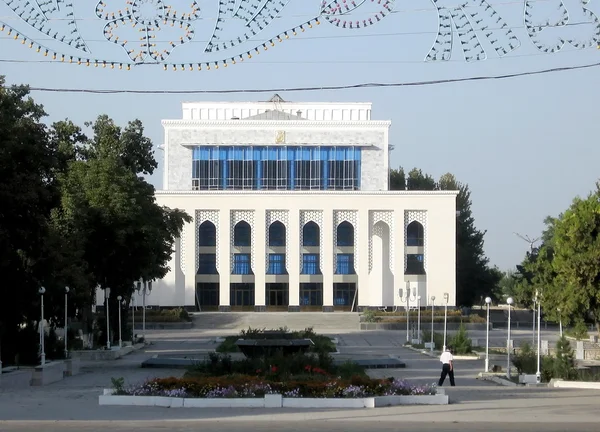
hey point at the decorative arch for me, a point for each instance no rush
(203, 216)
(350, 216)
(242, 234)
(311, 234)
(386, 216)
(207, 234)
(316, 217)
(415, 234)
(345, 234)
(277, 235)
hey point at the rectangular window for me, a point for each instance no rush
(310, 264)
(415, 264)
(206, 173)
(241, 264)
(311, 294)
(345, 264)
(343, 295)
(276, 264)
(274, 174)
(207, 264)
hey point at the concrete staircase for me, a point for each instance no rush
(319, 321)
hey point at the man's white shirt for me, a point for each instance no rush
(446, 357)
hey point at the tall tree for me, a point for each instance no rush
(474, 277)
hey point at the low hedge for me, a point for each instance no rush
(321, 343)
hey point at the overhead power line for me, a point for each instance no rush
(318, 88)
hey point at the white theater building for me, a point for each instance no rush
(292, 212)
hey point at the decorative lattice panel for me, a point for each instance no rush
(201, 217)
(315, 216)
(421, 217)
(248, 217)
(277, 216)
(340, 216)
(387, 217)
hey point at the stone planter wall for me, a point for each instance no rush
(95, 355)
(12, 378)
(163, 325)
(48, 374)
(271, 401)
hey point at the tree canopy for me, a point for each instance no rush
(76, 211)
(565, 269)
(475, 279)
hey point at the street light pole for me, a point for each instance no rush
(446, 297)
(488, 300)
(66, 320)
(538, 374)
(107, 295)
(407, 311)
(432, 306)
(42, 291)
(533, 334)
(119, 298)
(419, 319)
(559, 322)
(133, 316)
(509, 301)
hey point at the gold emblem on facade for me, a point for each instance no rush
(280, 137)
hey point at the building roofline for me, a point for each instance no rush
(308, 192)
(286, 123)
(370, 104)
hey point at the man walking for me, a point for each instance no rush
(447, 367)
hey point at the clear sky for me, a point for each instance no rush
(526, 146)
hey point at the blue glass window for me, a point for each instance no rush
(415, 234)
(277, 234)
(345, 264)
(311, 294)
(276, 264)
(276, 167)
(310, 234)
(241, 264)
(343, 294)
(242, 234)
(345, 234)
(415, 264)
(207, 234)
(310, 264)
(207, 264)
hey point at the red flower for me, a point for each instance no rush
(273, 368)
(258, 371)
(307, 368)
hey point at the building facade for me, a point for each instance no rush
(292, 212)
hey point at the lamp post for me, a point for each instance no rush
(107, 295)
(432, 306)
(509, 301)
(133, 316)
(119, 298)
(407, 311)
(446, 297)
(533, 332)
(42, 291)
(66, 319)
(538, 374)
(488, 300)
(559, 322)
(146, 288)
(419, 319)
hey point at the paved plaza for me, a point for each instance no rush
(72, 404)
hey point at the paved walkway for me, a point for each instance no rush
(473, 401)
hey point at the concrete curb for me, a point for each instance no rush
(103, 355)
(558, 383)
(271, 401)
(436, 354)
(496, 379)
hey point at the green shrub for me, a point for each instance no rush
(579, 331)
(461, 343)
(438, 338)
(564, 361)
(322, 344)
(370, 316)
(525, 360)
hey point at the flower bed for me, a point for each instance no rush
(245, 391)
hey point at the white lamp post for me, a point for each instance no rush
(509, 301)
(538, 374)
(559, 323)
(107, 295)
(419, 319)
(66, 321)
(533, 333)
(119, 298)
(42, 291)
(446, 297)
(488, 300)
(432, 305)
(133, 316)
(146, 288)
(407, 311)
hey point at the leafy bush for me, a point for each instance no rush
(476, 319)
(579, 331)
(564, 361)
(461, 343)
(525, 360)
(561, 366)
(370, 316)
(438, 338)
(162, 315)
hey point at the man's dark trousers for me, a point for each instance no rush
(446, 371)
